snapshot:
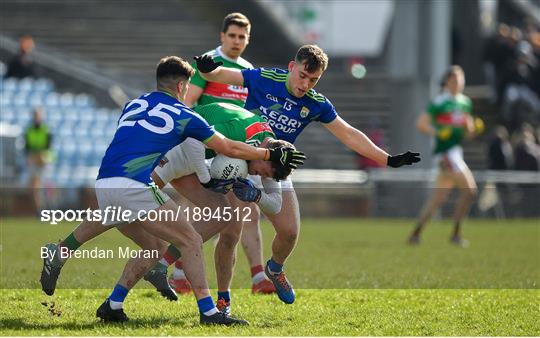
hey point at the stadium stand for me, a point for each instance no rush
(81, 130)
(85, 31)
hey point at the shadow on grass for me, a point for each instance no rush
(19, 324)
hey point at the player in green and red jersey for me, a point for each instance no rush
(234, 38)
(449, 119)
(262, 189)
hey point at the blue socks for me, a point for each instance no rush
(226, 295)
(116, 299)
(206, 306)
(274, 267)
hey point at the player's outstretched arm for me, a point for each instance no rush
(360, 143)
(288, 157)
(211, 71)
(356, 140)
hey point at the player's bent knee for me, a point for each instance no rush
(442, 196)
(191, 240)
(289, 235)
(228, 239)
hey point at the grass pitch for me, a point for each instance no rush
(353, 277)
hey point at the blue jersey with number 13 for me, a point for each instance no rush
(286, 114)
(149, 127)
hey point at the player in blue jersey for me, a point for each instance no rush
(150, 126)
(286, 99)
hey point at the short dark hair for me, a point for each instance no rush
(314, 57)
(172, 69)
(237, 19)
(280, 171)
(451, 71)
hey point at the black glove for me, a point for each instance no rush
(407, 158)
(205, 63)
(245, 190)
(287, 157)
(219, 185)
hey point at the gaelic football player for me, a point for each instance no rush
(286, 99)
(234, 38)
(240, 125)
(148, 127)
(449, 119)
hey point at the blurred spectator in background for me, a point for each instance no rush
(526, 151)
(498, 51)
(533, 37)
(500, 154)
(22, 65)
(512, 67)
(37, 144)
(520, 102)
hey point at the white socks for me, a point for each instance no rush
(178, 274)
(211, 312)
(259, 277)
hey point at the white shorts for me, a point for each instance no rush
(185, 159)
(286, 184)
(174, 164)
(451, 160)
(129, 198)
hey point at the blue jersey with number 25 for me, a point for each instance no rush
(149, 127)
(286, 114)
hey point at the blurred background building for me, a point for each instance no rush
(82, 60)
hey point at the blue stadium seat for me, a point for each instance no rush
(8, 116)
(70, 116)
(6, 99)
(82, 131)
(53, 116)
(20, 99)
(52, 100)
(36, 99)
(26, 85)
(22, 117)
(10, 84)
(43, 85)
(62, 175)
(66, 100)
(83, 100)
(86, 115)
